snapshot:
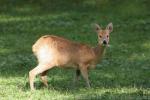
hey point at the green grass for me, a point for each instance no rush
(123, 74)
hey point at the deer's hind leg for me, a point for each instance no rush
(41, 68)
(43, 77)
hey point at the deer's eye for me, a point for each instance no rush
(107, 36)
(100, 36)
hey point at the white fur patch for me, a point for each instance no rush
(46, 54)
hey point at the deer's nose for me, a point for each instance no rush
(105, 42)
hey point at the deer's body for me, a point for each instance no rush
(54, 51)
(63, 52)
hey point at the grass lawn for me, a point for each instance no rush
(123, 74)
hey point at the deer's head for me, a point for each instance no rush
(103, 34)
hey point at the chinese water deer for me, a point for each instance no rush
(52, 51)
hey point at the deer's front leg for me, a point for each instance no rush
(84, 72)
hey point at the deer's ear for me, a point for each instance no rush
(97, 28)
(109, 27)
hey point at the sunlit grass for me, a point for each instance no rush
(3, 51)
(146, 45)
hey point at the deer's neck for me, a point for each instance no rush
(99, 51)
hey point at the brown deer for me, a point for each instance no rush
(54, 51)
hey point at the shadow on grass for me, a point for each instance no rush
(81, 92)
(127, 74)
(115, 96)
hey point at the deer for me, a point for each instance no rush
(54, 51)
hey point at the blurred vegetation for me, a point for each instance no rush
(125, 6)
